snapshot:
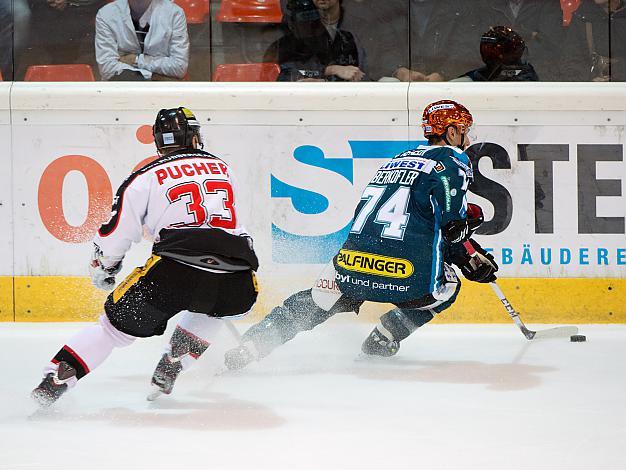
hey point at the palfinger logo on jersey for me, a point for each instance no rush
(371, 263)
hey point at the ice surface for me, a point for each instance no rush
(455, 397)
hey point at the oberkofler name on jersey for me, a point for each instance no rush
(403, 170)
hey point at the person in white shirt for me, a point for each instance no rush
(142, 40)
(202, 258)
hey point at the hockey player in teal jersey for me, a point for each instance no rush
(408, 230)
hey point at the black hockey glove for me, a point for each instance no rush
(458, 231)
(455, 231)
(478, 268)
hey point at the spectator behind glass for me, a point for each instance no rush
(539, 22)
(382, 28)
(142, 40)
(502, 50)
(441, 39)
(589, 53)
(6, 39)
(316, 47)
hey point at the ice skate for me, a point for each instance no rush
(377, 344)
(164, 376)
(53, 385)
(239, 357)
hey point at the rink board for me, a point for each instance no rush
(549, 173)
(57, 298)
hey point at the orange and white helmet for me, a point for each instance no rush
(438, 116)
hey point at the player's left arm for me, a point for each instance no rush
(461, 220)
(449, 192)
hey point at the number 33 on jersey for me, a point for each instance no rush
(185, 189)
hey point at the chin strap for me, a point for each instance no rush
(460, 146)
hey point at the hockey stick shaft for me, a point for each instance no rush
(507, 305)
(233, 330)
(511, 311)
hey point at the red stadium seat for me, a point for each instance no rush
(60, 73)
(250, 11)
(263, 72)
(569, 7)
(196, 11)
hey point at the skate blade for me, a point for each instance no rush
(156, 393)
(362, 357)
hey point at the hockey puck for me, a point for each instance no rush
(578, 338)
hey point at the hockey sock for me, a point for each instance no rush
(298, 313)
(192, 336)
(89, 348)
(400, 323)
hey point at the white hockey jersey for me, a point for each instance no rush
(187, 189)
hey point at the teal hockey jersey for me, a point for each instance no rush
(395, 250)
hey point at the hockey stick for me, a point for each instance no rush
(558, 332)
(233, 331)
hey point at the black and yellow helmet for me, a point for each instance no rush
(175, 128)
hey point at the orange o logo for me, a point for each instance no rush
(50, 198)
(144, 134)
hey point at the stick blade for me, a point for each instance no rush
(558, 332)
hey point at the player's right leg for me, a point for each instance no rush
(80, 355)
(397, 324)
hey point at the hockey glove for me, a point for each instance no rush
(458, 231)
(103, 277)
(478, 268)
(455, 231)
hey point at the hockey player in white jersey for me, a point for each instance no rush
(202, 259)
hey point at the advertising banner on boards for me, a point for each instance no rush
(553, 195)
